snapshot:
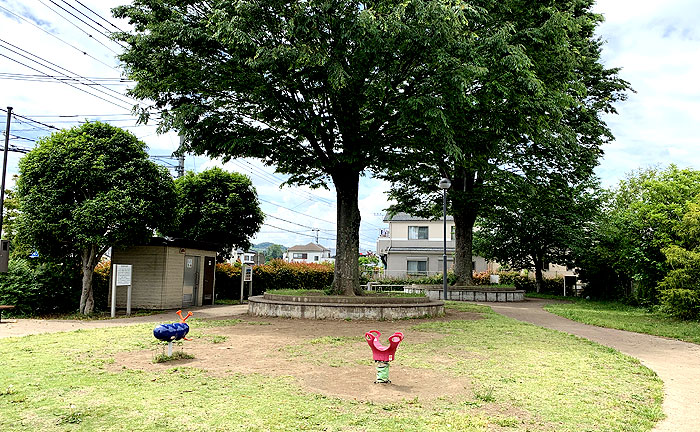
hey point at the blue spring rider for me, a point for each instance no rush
(173, 332)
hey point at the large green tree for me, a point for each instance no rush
(86, 189)
(532, 108)
(322, 89)
(536, 223)
(217, 206)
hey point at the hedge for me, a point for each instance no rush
(277, 274)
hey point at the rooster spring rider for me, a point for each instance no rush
(172, 332)
(383, 355)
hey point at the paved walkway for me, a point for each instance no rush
(677, 363)
(24, 327)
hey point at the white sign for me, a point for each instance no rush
(248, 275)
(123, 276)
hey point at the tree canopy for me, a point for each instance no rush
(643, 224)
(536, 223)
(217, 206)
(88, 188)
(532, 109)
(322, 89)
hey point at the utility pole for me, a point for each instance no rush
(180, 169)
(316, 230)
(4, 166)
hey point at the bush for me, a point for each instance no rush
(277, 274)
(40, 288)
(681, 303)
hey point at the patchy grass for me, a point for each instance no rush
(523, 378)
(226, 302)
(177, 355)
(624, 317)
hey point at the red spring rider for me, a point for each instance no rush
(381, 354)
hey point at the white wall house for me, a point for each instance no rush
(413, 246)
(309, 253)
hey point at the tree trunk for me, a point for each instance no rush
(346, 279)
(539, 264)
(464, 226)
(89, 260)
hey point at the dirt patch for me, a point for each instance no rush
(311, 352)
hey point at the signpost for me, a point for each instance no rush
(121, 277)
(246, 276)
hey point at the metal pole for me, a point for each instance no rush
(444, 244)
(4, 166)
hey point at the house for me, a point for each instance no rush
(413, 246)
(308, 253)
(168, 274)
(248, 257)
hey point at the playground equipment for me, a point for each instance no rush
(381, 354)
(172, 332)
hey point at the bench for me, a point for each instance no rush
(5, 307)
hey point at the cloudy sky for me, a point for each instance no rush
(657, 45)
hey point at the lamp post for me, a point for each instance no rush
(444, 185)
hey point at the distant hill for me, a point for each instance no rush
(265, 245)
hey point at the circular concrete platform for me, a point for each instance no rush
(339, 307)
(468, 293)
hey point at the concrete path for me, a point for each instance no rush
(677, 363)
(23, 327)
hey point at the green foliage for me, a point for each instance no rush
(643, 238)
(681, 303)
(218, 207)
(85, 189)
(40, 288)
(323, 90)
(274, 251)
(537, 223)
(531, 110)
(277, 274)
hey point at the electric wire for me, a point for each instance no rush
(56, 37)
(120, 98)
(78, 27)
(64, 82)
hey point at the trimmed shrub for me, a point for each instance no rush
(681, 303)
(277, 274)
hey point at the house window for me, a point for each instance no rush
(316, 258)
(417, 267)
(299, 255)
(418, 233)
(452, 232)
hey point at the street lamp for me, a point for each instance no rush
(444, 185)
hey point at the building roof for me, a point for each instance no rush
(311, 247)
(181, 243)
(398, 217)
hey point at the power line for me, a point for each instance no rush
(56, 37)
(109, 32)
(78, 27)
(84, 22)
(299, 233)
(96, 14)
(67, 83)
(31, 120)
(119, 98)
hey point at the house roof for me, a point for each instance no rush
(181, 243)
(398, 217)
(311, 247)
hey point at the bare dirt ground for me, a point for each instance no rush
(677, 363)
(281, 347)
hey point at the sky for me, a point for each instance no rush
(656, 45)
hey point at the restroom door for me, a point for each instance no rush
(190, 284)
(208, 285)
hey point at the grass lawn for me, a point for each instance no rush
(520, 378)
(620, 316)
